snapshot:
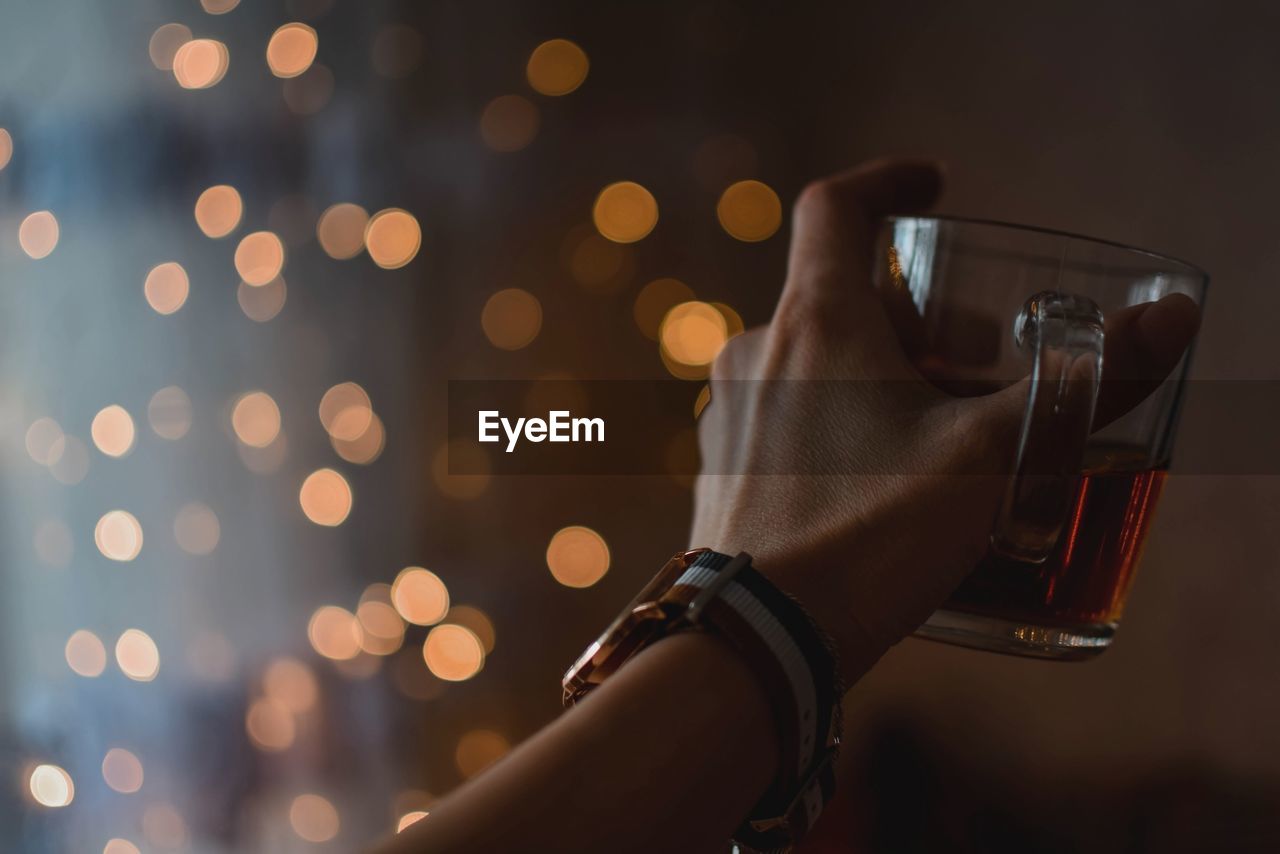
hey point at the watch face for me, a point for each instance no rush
(627, 633)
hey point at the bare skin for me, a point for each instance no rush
(671, 753)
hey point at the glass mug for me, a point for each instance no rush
(980, 305)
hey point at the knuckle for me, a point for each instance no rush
(818, 198)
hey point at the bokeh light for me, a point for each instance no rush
(53, 544)
(309, 93)
(43, 440)
(313, 818)
(557, 67)
(51, 786)
(118, 535)
(270, 725)
(420, 596)
(164, 44)
(120, 846)
(122, 771)
(166, 287)
(382, 630)
(599, 265)
(335, 633)
(196, 529)
(453, 653)
(291, 683)
(292, 49)
(85, 654)
(467, 456)
(137, 655)
(511, 319)
(256, 419)
(749, 211)
(218, 210)
(346, 410)
(325, 497)
(340, 230)
(509, 123)
(262, 302)
(476, 620)
(38, 234)
(693, 333)
(169, 413)
(218, 7)
(164, 827)
(655, 300)
(364, 448)
(201, 63)
(478, 749)
(70, 460)
(259, 257)
(6, 147)
(266, 460)
(113, 431)
(393, 238)
(625, 212)
(577, 556)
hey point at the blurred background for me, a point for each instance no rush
(244, 246)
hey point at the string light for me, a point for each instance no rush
(420, 596)
(511, 319)
(201, 63)
(259, 257)
(51, 786)
(263, 302)
(38, 234)
(218, 210)
(313, 818)
(577, 556)
(86, 656)
(557, 67)
(393, 238)
(118, 535)
(196, 529)
(137, 656)
(169, 413)
(256, 419)
(509, 123)
(749, 211)
(453, 653)
(122, 771)
(340, 230)
(625, 212)
(292, 49)
(112, 431)
(478, 749)
(164, 44)
(166, 287)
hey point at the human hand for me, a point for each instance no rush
(872, 505)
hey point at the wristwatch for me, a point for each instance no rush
(704, 590)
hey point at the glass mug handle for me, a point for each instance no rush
(1063, 333)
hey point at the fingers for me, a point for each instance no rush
(830, 318)
(834, 223)
(1144, 343)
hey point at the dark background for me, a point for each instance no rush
(1150, 124)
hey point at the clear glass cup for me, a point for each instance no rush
(981, 305)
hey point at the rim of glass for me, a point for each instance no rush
(1056, 232)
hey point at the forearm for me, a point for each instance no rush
(669, 754)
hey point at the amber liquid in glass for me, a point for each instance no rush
(1086, 578)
